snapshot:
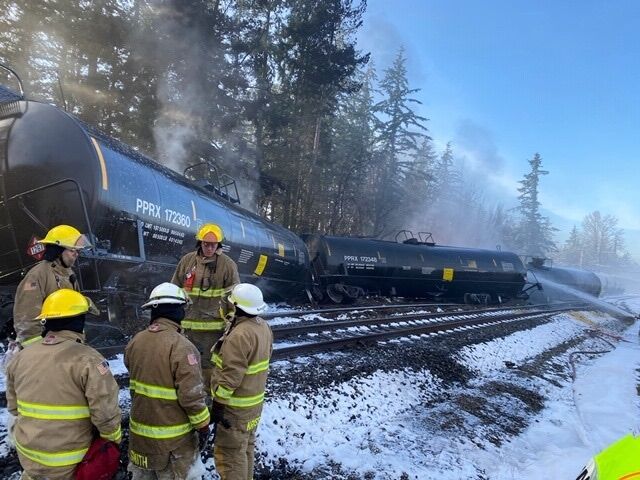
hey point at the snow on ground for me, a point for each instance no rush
(344, 424)
(390, 424)
(494, 407)
(485, 357)
(579, 420)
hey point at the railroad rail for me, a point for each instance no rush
(384, 328)
(387, 328)
(388, 306)
(307, 328)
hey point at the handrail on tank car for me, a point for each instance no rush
(15, 74)
(230, 182)
(19, 196)
(424, 238)
(408, 235)
(427, 238)
(218, 187)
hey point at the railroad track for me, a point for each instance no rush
(362, 308)
(342, 334)
(389, 322)
(337, 335)
(111, 350)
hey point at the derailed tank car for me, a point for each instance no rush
(140, 216)
(562, 283)
(346, 268)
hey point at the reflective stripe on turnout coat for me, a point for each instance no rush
(241, 359)
(167, 393)
(59, 389)
(207, 280)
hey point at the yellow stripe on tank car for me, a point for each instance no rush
(103, 165)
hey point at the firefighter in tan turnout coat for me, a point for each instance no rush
(241, 359)
(207, 275)
(167, 392)
(62, 244)
(61, 390)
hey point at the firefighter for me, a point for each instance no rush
(167, 392)
(61, 390)
(62, 244)
(241, 359)
(207, 275)
(619, 460)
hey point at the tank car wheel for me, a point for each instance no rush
(477, 298)
(316, 294)
(335, 294)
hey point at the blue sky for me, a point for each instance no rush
(505, 79)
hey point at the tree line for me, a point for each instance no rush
(278, 94)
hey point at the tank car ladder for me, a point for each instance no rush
(8, 238)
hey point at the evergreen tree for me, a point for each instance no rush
(534, 234)
(400, 130)
(316, 59)
(347, 187)
(572, 251)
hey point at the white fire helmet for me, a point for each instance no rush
(167, 293)
(248, 297)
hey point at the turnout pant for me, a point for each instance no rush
(174, 466)
(233, 453)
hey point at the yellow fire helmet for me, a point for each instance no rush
(210, 228)
(66, 236)
(64, 303)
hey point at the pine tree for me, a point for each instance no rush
(534, 234)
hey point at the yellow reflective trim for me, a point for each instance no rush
(244, 402)
(252, 424)
(50, 459)
(252, 369)
(216, 360)
(223, 392)
(52, 412)
(261, 264)
(200, 417)
(213, 325)
(209, 293)
(258, 367)
(158, 431)
(153, 391)
(113, 437)
(31, 340)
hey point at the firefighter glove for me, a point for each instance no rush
(217, 414)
